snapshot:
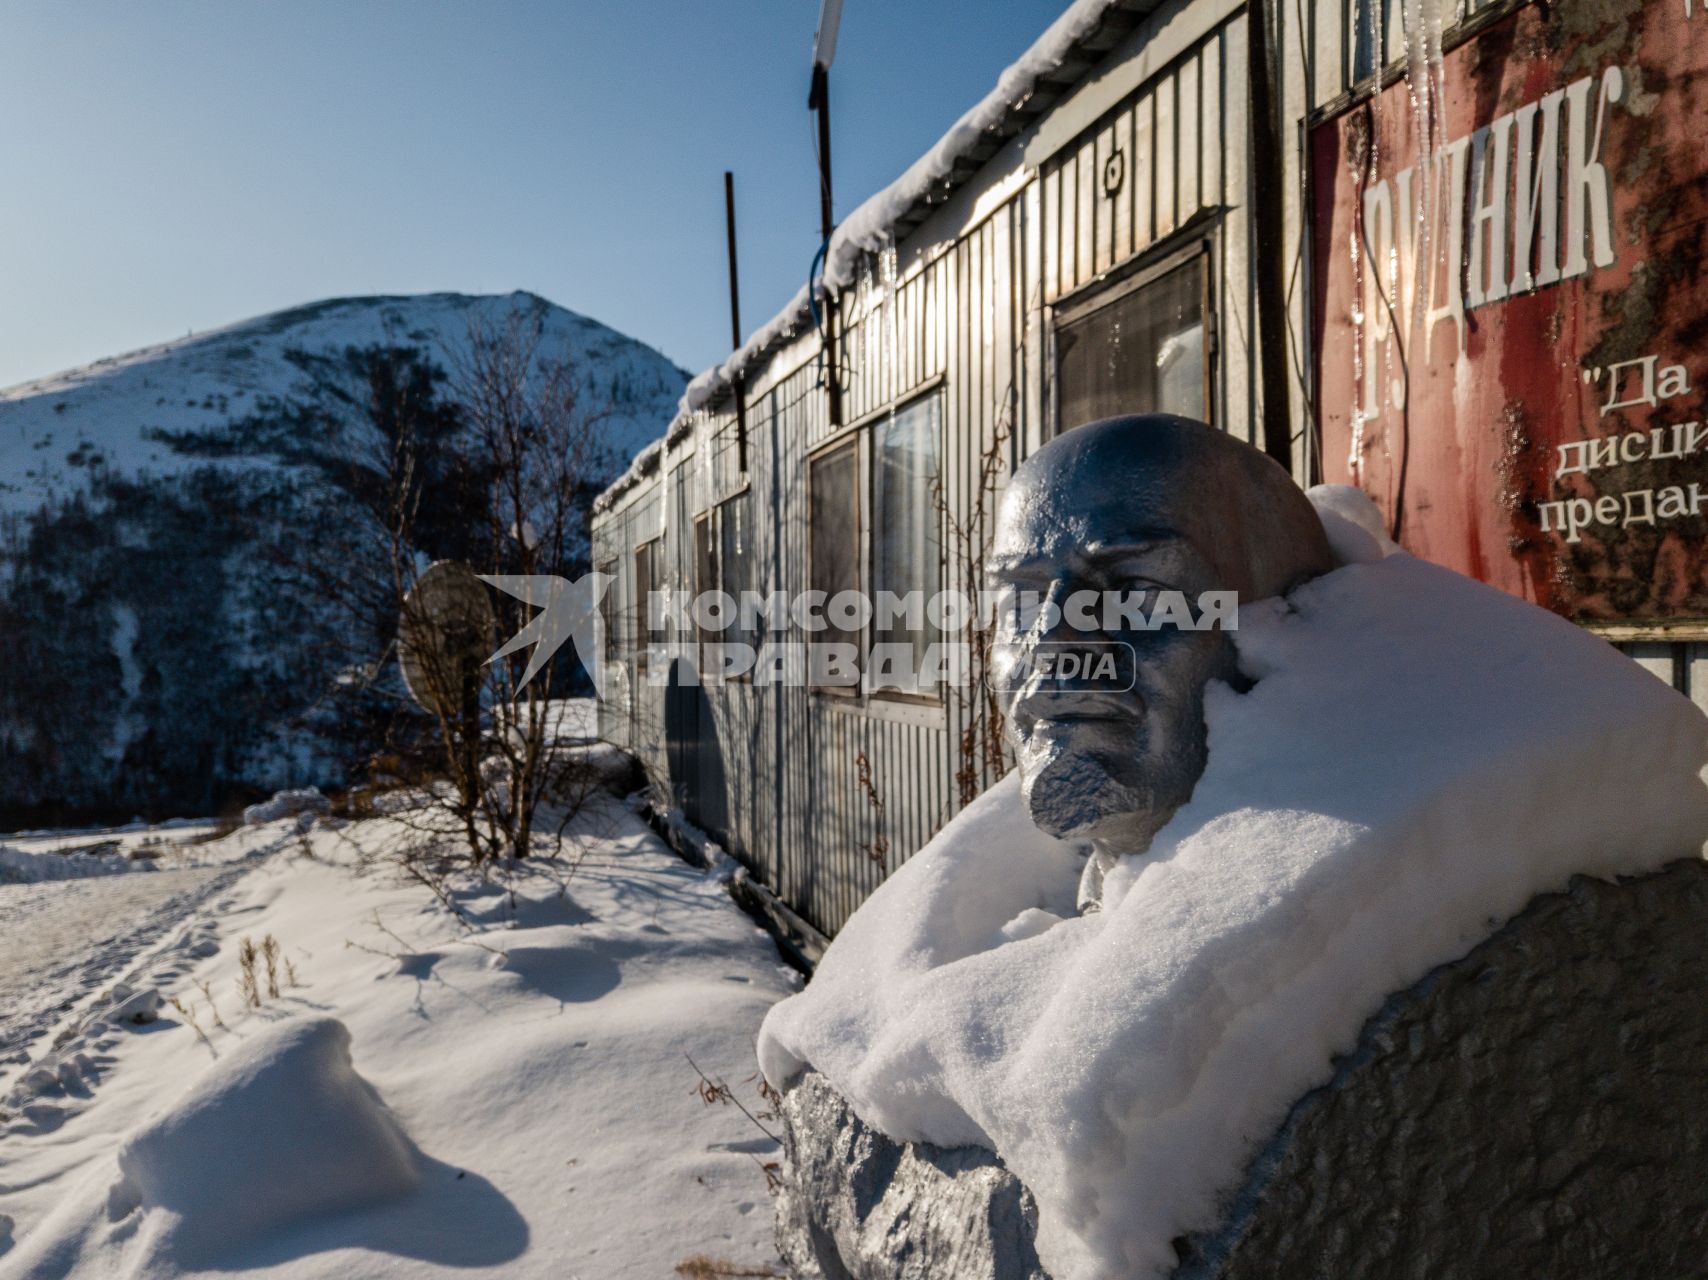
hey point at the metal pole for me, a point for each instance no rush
(735, 325)
(1269, 260)
(819, 99)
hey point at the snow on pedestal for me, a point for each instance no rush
(1420, 757)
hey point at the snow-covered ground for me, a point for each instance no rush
(60, 942)
(510, 1094)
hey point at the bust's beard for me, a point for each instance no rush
(1118, 799)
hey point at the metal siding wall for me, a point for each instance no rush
(1178, 160)
(1182, 134)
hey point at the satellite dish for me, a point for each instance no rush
(444, 636)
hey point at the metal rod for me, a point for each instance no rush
(735, 324)
(819, 100)
(1269, 260)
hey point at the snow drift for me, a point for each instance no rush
(24, 866)
(278, 1131)
(282, 1128)
(1421, 755)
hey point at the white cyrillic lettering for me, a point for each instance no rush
(1573, 455)
(1589, 194)
(1548, 164)
(836, 665)
(1639, 497)
(1171, 610)
(1219, 608)
(849, 610)
(1579, 512)
(808, 611)
(1616, 379)
(945, 664)
(1674, 381)
(1080, 611)
(1449, 275)
(1657, 441)
(1488, 211)
(908, 610)
(714, 610)
(668, 607)
(891, 666)
(1536, 192)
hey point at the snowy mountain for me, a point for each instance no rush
(55, 431)
(187, 588)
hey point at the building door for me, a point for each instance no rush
(1139, 346)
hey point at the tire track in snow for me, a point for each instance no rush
(61, 941)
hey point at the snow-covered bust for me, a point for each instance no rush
(1392, 761)
(1111, 517)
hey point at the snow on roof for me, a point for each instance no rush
(1421, 755)
(970, 140)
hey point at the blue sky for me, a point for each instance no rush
(177, 166)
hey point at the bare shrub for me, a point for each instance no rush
(489, 761)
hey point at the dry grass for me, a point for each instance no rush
(270, 953)
(248, 984)
(207, 994)
(702, 1267)
(189, 1017)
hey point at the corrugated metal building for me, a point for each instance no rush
(1144, 217)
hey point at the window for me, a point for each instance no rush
(607, 610)
(907, 551)
(647, 566)
(833, 532)
(736, 563)
(705, 566)
(1141, 351)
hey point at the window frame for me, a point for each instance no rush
(1186, 247)
(860, 436)
(870, 425)
(855, 441)
(652, 548)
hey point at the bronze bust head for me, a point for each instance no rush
(1142, 520)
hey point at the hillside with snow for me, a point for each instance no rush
(56, 431)
(196, 600)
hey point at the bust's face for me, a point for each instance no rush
(1104, 759)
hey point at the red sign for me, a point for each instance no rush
(1510, 333)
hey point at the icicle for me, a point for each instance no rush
(1367, 170)
(887, 274)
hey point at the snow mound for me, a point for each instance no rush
(1354, 526)
(21, 866)
(281, 1128)
(287, 804)
(1420, 757)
